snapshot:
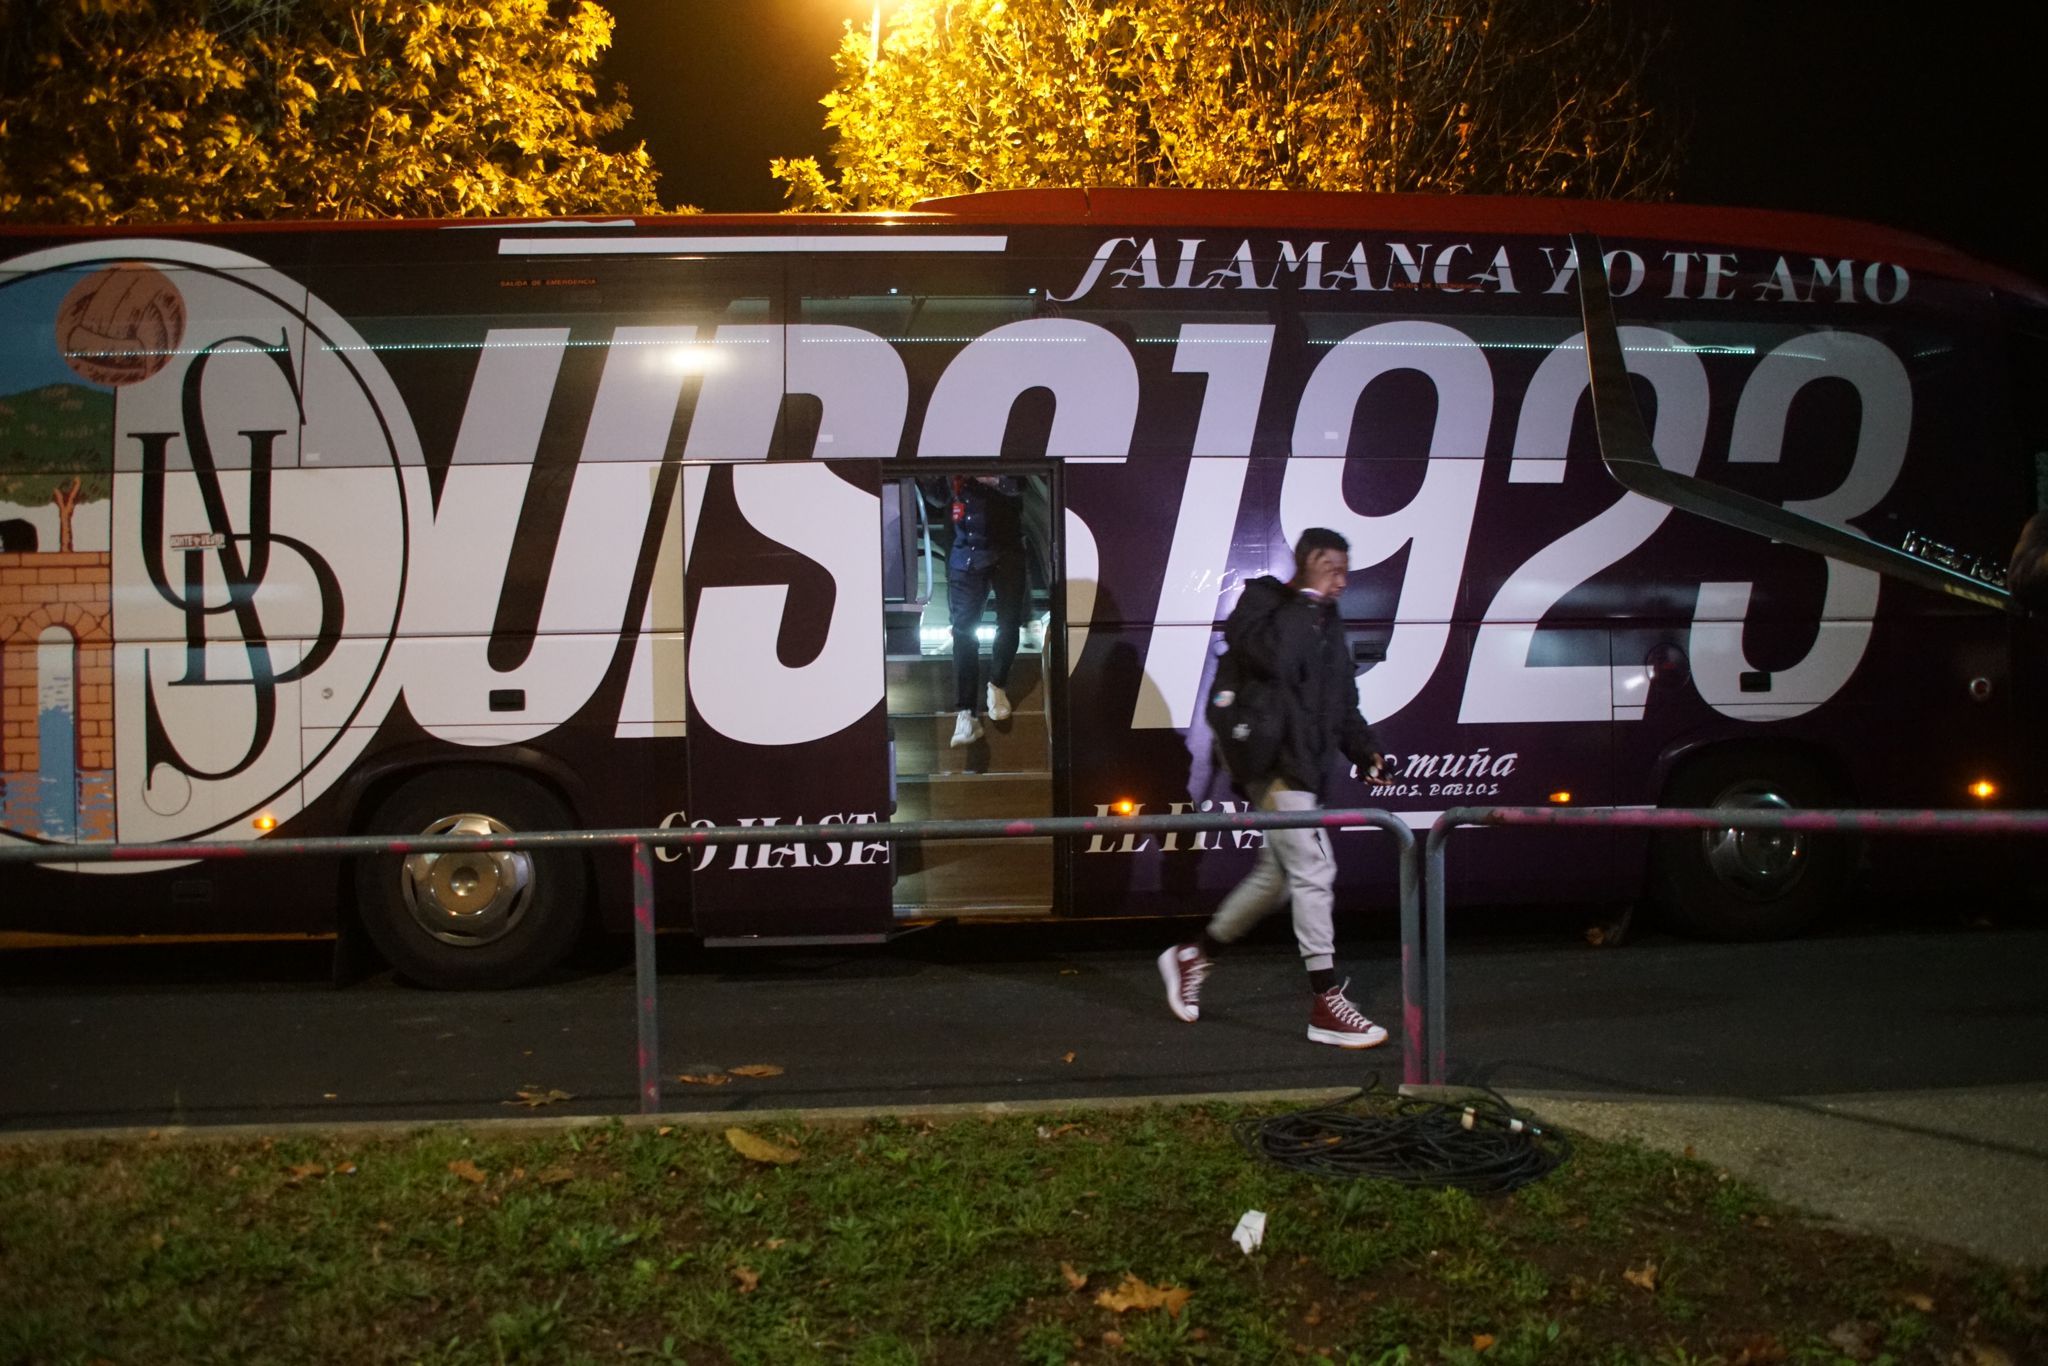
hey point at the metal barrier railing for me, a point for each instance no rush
(639, 842)
(1856, 822)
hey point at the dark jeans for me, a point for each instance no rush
(967, 590)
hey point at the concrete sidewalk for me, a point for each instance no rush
(1965, 1168)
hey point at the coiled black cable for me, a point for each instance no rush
(1484, 1146)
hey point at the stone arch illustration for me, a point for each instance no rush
(45, 598)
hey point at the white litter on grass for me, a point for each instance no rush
(1250, 1230)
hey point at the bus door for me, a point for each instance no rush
(784, 630)
(962, 748)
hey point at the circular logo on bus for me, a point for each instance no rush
(200, 477)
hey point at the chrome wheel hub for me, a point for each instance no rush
(1758, 864)
(468, 899)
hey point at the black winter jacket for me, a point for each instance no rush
(1295, 645)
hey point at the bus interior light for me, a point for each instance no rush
(1983, 789)
(265, 822)
(1124, 806)
(1560, 798)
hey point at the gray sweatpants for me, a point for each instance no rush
(1293, 863)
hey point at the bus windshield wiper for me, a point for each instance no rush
(1626, 451)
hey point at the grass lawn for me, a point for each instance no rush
(972, 1240)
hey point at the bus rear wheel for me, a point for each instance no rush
(1747, 884)
(472, 920)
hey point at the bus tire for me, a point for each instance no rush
(1747, 884)
(472, 921)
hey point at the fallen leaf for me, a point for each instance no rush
(1070, 972)
(664, 1131)
(324, 1095)
(1074, 1279)
(1913, 1299)
(1112, 1339)
(1198, 1335)
(555, 1176)
(1690, 1151)
(704, 1079)
(467, 1170)
(1760, 1350)
(1135, 1294)
(1761, 1221)
(747, 1277)
(756, 1069)
(1646, 1278)
(1595, 936)
(758, 1149)
(345, 1169)
(1481, 1341)
(534, 1098)
(1068, 1056)
(1983, 1354)
(774, 1243)
(1854, 1338)
(1314, 1315)
(305, 1170)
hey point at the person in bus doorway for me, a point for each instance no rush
(1292, 655)
(987, 557)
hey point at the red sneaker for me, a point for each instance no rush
(1332, 1019)
(1183, 967)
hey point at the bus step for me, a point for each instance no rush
(924, 745)
(924, 683)
(919, 914)
(972, 796)
(975, 872)
(797, 941)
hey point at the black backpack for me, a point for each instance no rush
(1243, 721)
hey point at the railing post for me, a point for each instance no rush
(643, 968)
(1434, 954)
(1411, 962)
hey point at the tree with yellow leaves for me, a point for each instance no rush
(1477, 96)
(131, 111)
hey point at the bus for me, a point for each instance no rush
(610, 522)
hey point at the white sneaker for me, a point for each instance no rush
(966, 730)
(998, 704)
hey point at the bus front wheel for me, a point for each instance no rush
(1747, 884)
(472, 920)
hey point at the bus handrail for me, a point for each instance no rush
(638, 842)
(1847, 821)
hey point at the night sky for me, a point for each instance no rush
(1923, 117)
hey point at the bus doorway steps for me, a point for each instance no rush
(1005, 773)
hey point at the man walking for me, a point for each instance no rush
(1289, 643)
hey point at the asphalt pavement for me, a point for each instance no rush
(1894, 1078)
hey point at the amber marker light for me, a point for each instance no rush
(265, 822)
(1983, 789)
(1125, 807)
(1560, 798)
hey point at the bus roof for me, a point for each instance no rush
(1279, 211)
